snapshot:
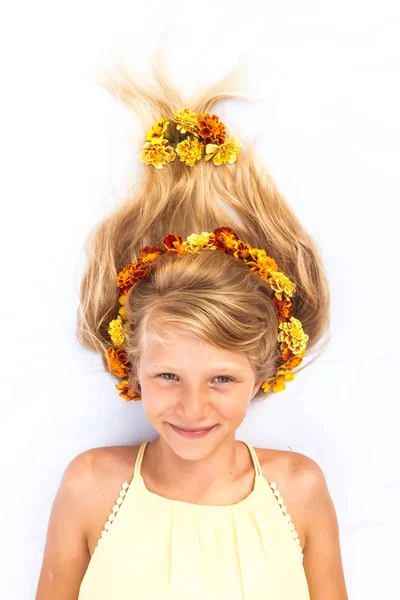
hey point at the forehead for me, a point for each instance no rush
(188, 350)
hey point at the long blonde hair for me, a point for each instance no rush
(210, 294)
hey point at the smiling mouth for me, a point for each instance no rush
(192, 430)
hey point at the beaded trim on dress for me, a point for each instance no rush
(280, 500)
(278, 497)
(113, 514)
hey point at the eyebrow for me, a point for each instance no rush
(226, 367)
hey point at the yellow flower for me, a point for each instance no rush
(197, 242)
(225, 153)
(277, 383)
(281, 284)
(186, 120)
(156, 134)
(190, 151)
(116, 331)
(158, 154)
(292, 336)
(122, 311)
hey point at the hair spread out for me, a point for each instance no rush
(210, 294)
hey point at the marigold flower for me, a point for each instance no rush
(225, 153)
(202, 241)
(186, 120)
(281, 284)
(292, 336)
(148, 254)
(122, 311)
(277, 383)
(241, 251)
(157, 154)
(175, 244)
(294, 361)
(118, 362)
(126, 392)
(226, 238)
(116, 331)
(283, 308)
(190, 151)
(129, 276)
(262, 263)
(156, 134)
(211, 129)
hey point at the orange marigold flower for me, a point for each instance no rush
(261, 263)
(225, 153)
(241, 251)
(126, 392)
(211, 129)
(190, 151)
(283, 308)
(118, 362)
(226, 239)
(174, 243)
(186, 121)
(148, 254)
(157, 154)
(129, 276)
(294, 361)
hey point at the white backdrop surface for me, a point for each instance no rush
(326, 82)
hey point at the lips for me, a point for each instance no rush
(192, 430)
(192, 434)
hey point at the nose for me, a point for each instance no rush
(193, 404)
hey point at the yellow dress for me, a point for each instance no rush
(155, 548)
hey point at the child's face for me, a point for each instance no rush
(192, 384)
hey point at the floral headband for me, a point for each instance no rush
(292, 339)
(198, 133)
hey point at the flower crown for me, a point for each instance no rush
(197, 133)
(292, 339)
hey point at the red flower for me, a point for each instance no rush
(211, 129)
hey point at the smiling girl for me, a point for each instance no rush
(202, 293)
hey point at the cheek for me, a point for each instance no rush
(232, 407)
(233, 412)
(156, 404)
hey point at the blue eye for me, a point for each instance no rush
(218, 376)
(225, 377)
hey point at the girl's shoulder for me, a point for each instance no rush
(297, 477)
(109, 468)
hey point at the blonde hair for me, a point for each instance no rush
(210, 294)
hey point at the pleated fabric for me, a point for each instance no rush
(155, 548)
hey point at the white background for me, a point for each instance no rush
(326, 79)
